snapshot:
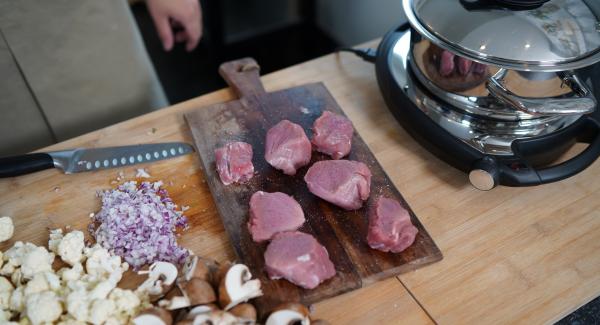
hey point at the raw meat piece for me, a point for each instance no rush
(345, 183)
(464, 66)
(390, 229)
(298, 258)
(234, 162)
(446, 63)
(287, 148)
(271, 213)
(479, 68)
(332, 135)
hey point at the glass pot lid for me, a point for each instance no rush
(530, 35)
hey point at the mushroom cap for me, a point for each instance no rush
(288, 314)
(153, 316)
(245, 312)
(237, 286)
(199, 292)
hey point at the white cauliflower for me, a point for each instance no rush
(71, 274)
(17, 300)
(70, 321)
(78, 304)
(6, 228)
(17, 277)
(127, 301)
(31, 258)
(70, 248)
(6, 290)
(37, 284)
(36, 260)
(101, 310)
(100, 263)
(56, 235)
(43, 307)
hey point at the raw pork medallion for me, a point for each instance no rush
(287, 148)
(234, 162)
(298, 258)
(271, 213)
(390, 229)
(332, 135)
(345, 183)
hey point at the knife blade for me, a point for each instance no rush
(90, 159)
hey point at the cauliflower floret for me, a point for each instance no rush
(101, 264)
(16, 277)
(70, 321)
(35, 261)
(17, 300)
(6, 228)
(78, 304)
(32, 259)
(101, 310)
(6, 290)
(70, 248)
(126, 300)
(43, 307)
(56, 235)
(37, 284)
(71, 274)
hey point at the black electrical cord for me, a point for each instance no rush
(366, 54)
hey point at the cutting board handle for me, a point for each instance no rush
(243, 76)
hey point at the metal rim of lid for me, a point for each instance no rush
(536, 66)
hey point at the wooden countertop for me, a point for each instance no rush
(512, 255)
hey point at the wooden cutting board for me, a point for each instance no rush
(342, 232)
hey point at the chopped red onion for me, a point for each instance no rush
(138, 223)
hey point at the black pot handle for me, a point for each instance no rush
(24, 164)
(530, 176)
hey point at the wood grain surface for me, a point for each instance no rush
(342, 232)
(511, 255)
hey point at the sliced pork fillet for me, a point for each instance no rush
(390, 228)
(299, 258)
(234, 162)
(345, 183)
(287, 147)
(332, 135)
(271, 213)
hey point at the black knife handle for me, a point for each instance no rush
(24, 164)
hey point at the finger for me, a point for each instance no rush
(163, 27)
(193, 31)
(180, 36)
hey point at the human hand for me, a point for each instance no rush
(185, 14)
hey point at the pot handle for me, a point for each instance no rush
(587, 131)
(582, 103)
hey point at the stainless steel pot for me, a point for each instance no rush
(530, 51)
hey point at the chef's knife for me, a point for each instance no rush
(82, 160)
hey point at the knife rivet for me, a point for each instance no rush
(156, 155)
(131, 160)
(88, 165)
(180, 150)
(173, 152)
(115, 161)
(140, 158)
(106, 163)
(123, 160)
(164, 153)
(97, 164)
(148, 156)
